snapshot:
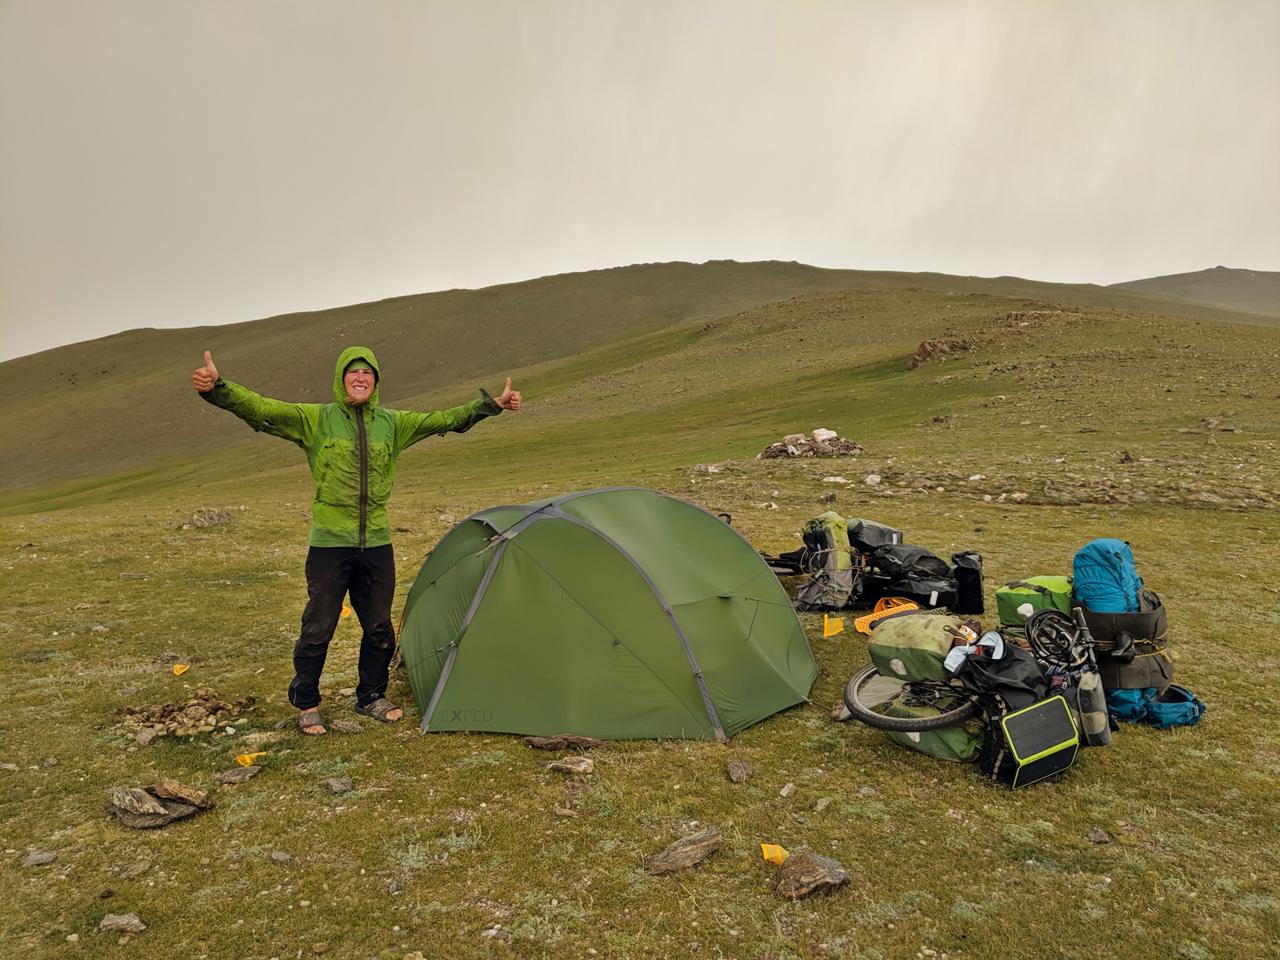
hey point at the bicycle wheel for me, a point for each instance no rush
(862, 705)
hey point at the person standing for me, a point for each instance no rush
(352, 446)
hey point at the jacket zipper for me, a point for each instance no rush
(364, 472)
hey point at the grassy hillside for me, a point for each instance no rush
(123, 404)
(1249, 291)
(1072, 413)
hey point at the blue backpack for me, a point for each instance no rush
(1106, 578)
(1176, 707)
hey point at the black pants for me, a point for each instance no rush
(369, 575)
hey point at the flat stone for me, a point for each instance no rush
(840, 711)
(685, 852)
(135, 576)
(238, 775)
(344, 726)
(739, 771)
(168, 789)
(146, 736)
(806, 874)
(572, 765)
(787, 790)
(560, 811)
(122, 923)
(563, 741)
(134, 800)
(39, 858)
(173, 810)
(279, 856)
(1098, 835)
(337, 785)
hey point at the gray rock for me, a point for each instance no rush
(135, 576)
(572, 765)
(167, 789)
(39, 858)
(344, 726)
(840, 711)
(279, 856)
(685, 852)
(122, 923)
(787, 790)
(50, 761)
(135, 870)
(146, 736)
(337, 785)
(134, 800)
(393, 886)
(739, 771)
(1098, 835)
(238, 775)
(806, 874)
(563, 741)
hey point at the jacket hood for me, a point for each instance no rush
(344, 358)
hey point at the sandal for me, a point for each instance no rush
(308, 719)
(379, 710)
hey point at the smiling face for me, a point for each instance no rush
(359, 384)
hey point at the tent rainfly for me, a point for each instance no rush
(615, 613)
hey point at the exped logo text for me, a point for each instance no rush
(469, 716)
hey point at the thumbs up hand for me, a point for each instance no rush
(509, 399)
(205, 377)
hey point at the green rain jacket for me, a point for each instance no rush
(352, 450)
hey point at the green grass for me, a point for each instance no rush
(462, 825)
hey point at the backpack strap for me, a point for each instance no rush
(1031, 586)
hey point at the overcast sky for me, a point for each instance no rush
(181, 162)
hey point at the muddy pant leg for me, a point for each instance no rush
(373, 586)
(328, 570)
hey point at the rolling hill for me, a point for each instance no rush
(122, 404)
(1249, 291)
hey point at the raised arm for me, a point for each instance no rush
(412, 427)
(289, 421)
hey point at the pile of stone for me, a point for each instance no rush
(202, 713)
(931, 350)
(146, 808)
(821, 443)
(206, 517)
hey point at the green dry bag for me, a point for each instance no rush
(1018, 600)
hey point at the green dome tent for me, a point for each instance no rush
(613, 613)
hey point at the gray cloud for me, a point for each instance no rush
(174, 163)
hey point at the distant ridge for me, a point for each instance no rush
(1249, 291)
(124, 402)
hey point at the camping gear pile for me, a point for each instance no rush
(1072, 657)
(852, 562)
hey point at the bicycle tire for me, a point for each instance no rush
(871, 718)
